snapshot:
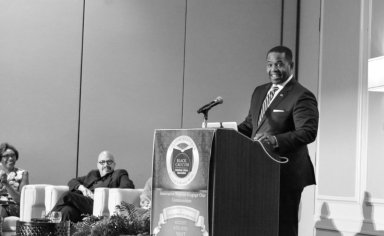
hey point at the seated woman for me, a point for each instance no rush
(12, 180)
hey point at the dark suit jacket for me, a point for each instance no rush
(118, 179)
(293, 119)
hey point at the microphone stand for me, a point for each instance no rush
(205, 121)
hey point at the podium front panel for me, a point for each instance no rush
(244, 187)
(180, 182)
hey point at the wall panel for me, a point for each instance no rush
(377, 29)
(227, 42)
(375, 134)
(349, 176)
(339, 90)
(308, 75)
(132, 80)
(375, 176)
(40, 48)
(290, 24)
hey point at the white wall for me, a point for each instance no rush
(308, 75)
(143, 65)
(40, 56)
(226, 48)
(377, 29)
(349, 200)
(132, 80)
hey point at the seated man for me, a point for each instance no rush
(79, 199)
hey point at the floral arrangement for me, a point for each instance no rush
(127, 220)
(13, 178)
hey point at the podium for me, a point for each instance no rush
(214, 182)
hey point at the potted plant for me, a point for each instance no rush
(127, 220)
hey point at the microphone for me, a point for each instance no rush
(208, 106)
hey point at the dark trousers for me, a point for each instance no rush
(289, 211)
(72, 205)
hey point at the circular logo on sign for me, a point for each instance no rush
(182, 160)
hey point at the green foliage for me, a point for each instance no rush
(127, 220)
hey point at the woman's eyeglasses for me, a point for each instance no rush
(8, 156)
(109, 162)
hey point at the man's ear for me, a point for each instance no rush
(292, 64)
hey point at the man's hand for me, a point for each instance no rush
(86, 192)
(264, 137)
(145, 203)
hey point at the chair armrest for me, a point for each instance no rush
(32, 201)
(52, 195)
(100, 202)
(106, 199)
(117, 195)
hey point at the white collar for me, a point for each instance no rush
(281, 86)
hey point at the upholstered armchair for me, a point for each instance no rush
(106, 199)
(31, 205)
(52, 195)
(39, 199)
(35, 200)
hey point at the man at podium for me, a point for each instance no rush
(284, 114)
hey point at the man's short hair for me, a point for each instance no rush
(282, 49)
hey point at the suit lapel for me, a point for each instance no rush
(110, 179)
(96, 177)
(283, 93)
(260, 99)
(106, 183)
(92, 178)
(280, 96)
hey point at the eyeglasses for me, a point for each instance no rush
(109, 162)
(8, 156)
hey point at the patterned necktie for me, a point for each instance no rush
(267, 102)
